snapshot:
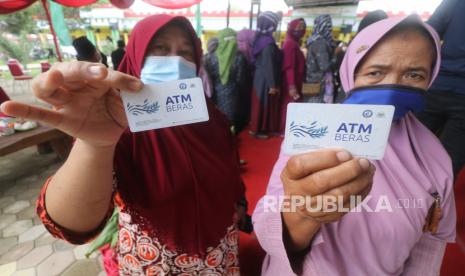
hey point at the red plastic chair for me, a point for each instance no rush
(45, 66)
(18, 75)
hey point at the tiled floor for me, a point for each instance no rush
(26, 248)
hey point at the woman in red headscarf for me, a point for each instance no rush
(177, 188)
(293, 67)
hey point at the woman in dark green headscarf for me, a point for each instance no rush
(228, 71)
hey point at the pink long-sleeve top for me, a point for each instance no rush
(373, 243)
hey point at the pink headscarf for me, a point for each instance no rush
(245, 40)
(367, 39)
(414, 157)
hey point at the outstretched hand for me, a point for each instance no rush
(84, 98)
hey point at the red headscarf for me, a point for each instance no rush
(294, 59)
(142, 35)
(292, 32)
(180, 183)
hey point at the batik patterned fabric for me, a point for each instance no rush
(142, 254)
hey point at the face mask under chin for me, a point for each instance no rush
(404, 98)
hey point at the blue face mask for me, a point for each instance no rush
(403, 98)
(158, 69)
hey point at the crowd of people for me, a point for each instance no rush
(254, 79)
(251, 79)
(178, 191)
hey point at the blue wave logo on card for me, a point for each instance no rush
(145, 108)
(311, 131)
(183, 86)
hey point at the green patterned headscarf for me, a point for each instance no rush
(226, 52)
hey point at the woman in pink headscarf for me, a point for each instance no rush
(392, 62)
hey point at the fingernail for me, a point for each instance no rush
(343, 156)
(135, 85)
(95, 70)
(365, 164)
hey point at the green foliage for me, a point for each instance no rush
(19, 24)
(72, 16)
(26, 47)
(21, 21)
(17, 49)
(9, 48)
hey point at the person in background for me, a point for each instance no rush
(227, 68)
(118, 54)
(293, 68)
(339, 53)
(245, 39)
(206, 81)
(266, 58)
(3, 98)
(178, 189)
(320, 49)
(445, 102)
(50, 54)
(212, 45)
(392, 61)
(340, 50)
(370, 18)
(86, 51)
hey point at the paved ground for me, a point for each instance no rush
(18, 90)
(26, 248)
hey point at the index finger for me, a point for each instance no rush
(336, 179)
(61, 73)
(79, 71)
(119, 81)
(302, 165)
